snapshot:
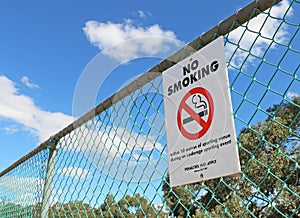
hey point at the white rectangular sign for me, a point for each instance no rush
(200, 129)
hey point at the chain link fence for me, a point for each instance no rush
(113, 161)
(21, 189)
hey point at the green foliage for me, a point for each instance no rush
(129, 206)
(10, 209)
(75, 209)
(179, 199)
(269, 186)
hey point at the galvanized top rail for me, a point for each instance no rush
(224, 27)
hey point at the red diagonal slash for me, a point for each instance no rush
(183, 106)
(194, 115)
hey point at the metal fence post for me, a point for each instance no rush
(49, 177)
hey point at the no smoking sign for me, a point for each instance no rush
(200, 128)
(198, 106)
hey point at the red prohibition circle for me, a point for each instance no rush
(183, 106)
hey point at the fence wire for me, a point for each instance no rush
(21, 189)
(115, 164)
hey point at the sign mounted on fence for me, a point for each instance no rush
(200, 129)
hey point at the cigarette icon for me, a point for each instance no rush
(198, 103)
(190, 119)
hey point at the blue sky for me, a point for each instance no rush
(46, 48)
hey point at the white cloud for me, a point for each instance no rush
(10, 129)
(113, 150)
(141, 13)
(113, 39)
(23, 110)
(26, 81)
(138, 157)
(59, 191)
(109, 141)
(248, 39)
(74, 172)
(292, 95)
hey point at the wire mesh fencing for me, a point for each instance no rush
(115, 164)
(21, 189)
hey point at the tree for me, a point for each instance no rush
(269, 156)
(10, 209)
(74, 209)
(129, 206)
